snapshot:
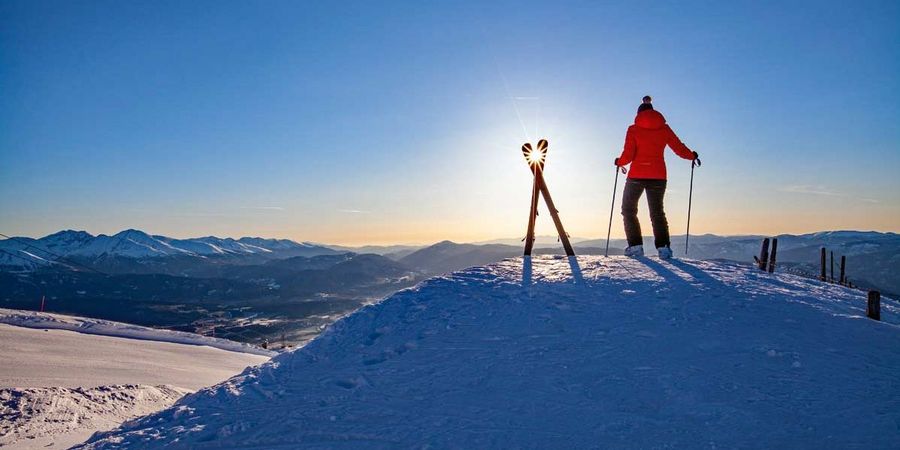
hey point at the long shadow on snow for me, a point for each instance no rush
(576, 270)
(528, 271)
(694, 271)
(676, 280)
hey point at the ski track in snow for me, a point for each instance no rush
(563, 353)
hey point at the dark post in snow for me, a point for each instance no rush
(832, 266)
(873, 307)
(823, 277)
(763, 259)
(843, 264)
(772, 256)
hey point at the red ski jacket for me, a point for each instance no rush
(645, 144)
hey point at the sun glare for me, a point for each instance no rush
(535, 157)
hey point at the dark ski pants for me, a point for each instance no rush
(656, 190)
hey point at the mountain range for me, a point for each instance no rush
(57, 248)
(255, 288)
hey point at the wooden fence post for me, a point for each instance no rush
(873, 306)
(832, 266)
(773, 255)
(843, 264)
(823, 276)
(763, 259)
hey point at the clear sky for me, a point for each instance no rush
(401, 122)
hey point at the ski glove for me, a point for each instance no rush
(696, 155)
(616, 162)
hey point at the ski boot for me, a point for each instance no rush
(664, 253)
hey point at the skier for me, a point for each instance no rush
(645, 144)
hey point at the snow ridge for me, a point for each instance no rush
(568, 353)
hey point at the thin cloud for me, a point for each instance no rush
(265, 208)
(200, 214)
(821, 191)
(352, 211)
(811, 190)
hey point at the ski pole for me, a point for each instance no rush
(612, 207)
(687, 236)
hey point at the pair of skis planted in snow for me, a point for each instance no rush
(535, 159)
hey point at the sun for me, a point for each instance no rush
(535, 157)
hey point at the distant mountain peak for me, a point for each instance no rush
(79, 234)
(136, 244)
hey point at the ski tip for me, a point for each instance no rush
(542, 145)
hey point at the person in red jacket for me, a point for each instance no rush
(645, 144)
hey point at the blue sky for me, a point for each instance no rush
(369, 122)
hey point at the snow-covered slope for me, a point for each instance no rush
(58, 386)
(32, 319)
(59, 417)
(554, 353)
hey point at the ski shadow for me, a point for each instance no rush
(527, 273)
(576, 269)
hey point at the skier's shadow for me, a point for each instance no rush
(664, 272)
(695, 272)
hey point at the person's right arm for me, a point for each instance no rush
(629, 151)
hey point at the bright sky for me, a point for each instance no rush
(401, 122)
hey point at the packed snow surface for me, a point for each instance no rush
(563, 353)
(57, 387)
(61, 358)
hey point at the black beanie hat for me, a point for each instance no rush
(646, 103)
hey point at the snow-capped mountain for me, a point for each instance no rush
(28, 253)
(551, 352)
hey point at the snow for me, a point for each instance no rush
(564, 353)
(62, 358)
(32, 319)
(128, 243)
(62, 417)
(57, 387)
